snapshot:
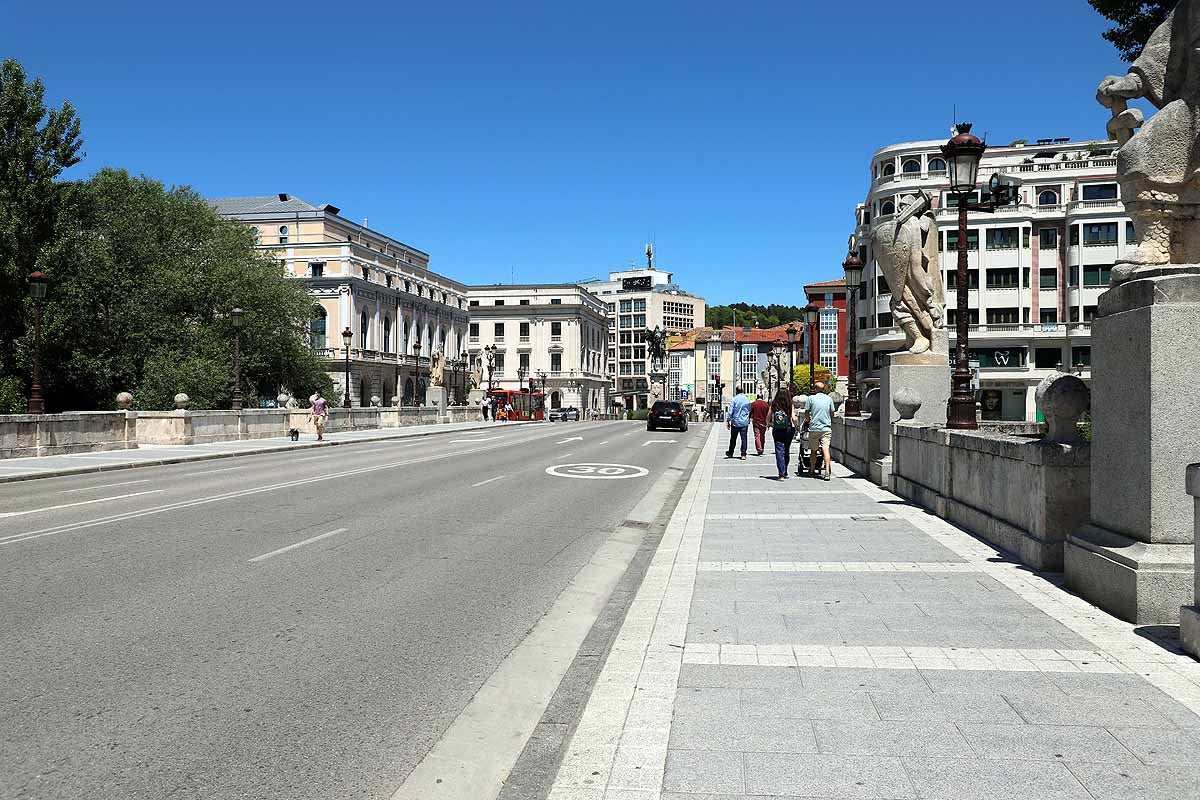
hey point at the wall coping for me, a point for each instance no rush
(1001, 445)
(1193, 480)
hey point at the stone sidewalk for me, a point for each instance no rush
(20, 469)
(804, 639)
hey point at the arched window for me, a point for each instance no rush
(1048, 198)
(911, 166)
(362, 331)
(889, 168)
(888, 207)
(387, 334)
(283, 234)
(555, 400)
(937, 165)
(316, 328)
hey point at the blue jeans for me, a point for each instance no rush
(734, 433)
(783, 450)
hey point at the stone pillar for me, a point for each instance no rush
(928, 374)
(1134, 558)
(1189, 616)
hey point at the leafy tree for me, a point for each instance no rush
(1135, 21)
(36, 144)
(804, 380)
(142, 280)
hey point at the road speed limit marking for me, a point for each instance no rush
(597, 472)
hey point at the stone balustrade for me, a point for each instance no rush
(26, 435)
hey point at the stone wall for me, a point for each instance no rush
(25, 435)
(1021, 494)
(855, 442)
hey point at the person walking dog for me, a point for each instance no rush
(320, 414)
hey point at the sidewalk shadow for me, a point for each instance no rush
(1164, 636)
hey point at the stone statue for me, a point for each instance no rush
(907, 252)
(477, 373)
(656, 347)
(1159, 166)
(438, 369)
(772, 377)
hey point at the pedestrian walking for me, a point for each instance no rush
(484, 408)
(783, 430)
(760, 410)
(738, 421)
(820, 429)
(320, 414)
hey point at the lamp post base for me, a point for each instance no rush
(960, 414)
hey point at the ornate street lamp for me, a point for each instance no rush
(853, 266)
(347, 340)
(37, 290)
(963, 153)
(235, 316)
(489, 353)
(417, 366)
(792, 333)
(520, 379)
(541, 373)
(812, 317)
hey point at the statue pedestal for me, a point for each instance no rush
(438, 397)
(927, 374)
(1135, 557)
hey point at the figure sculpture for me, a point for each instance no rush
(772, 377)
(476, 372)
(907, 252)
(437, 369)
(656, 347)
(1158, 167)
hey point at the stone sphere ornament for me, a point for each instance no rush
(871, 402)
(907, 402)
(124, 401)
(837, 400)
(282, 399)
(182, 401)
(1062, 399)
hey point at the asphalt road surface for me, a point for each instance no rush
(295, 625)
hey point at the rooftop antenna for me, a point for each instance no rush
(649, 255)
(513, 275)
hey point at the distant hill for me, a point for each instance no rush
(751, 315)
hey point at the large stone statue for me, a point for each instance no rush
(476, 372)
(907, 252)
(656, 347)
(1159, 166)
(437, 370)
(772, 377)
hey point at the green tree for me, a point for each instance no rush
(1135, 21)
(36, 144)
(142, 280)
(805, 380)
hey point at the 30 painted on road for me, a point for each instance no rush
(597, 472)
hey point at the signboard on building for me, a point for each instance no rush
(642, 283)
(684, 394)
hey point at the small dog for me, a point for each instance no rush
(294, 433)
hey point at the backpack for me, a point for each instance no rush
(780, 421)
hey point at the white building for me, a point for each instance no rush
(638, 300)
(1036, 269)
(553, 336)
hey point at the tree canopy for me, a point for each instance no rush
(1135, 21)
(751, 315)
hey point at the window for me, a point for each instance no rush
(1025, 238)
(1048, 278)
(972, 279)
(316, 269)
(1081, 356)
(626, 321)
(889, 169)
(555, 330)
(885, 319)
(387, 279)
(523, 303)
(639, 305)
(881, 286)
(366, 274)
(472, 304)
(1073, 276)
(1048, 316)
(1096, 233)
(555, 301)
(626, 306)
(639, 320)
(498, 331)
(911, 167)
(524, 332)
(1047, 357)
(1048, 198)
(363, 326)
(474, 330)
(499, 361)
(1074, 239)
(1000, 238)
(316, 328)
(1002, 316)
(1100, 191)
(523, 361)
(888, 207)
(937, 165)
(283, 234)
(972, 239)
(952, 200)
(1002, 279)
(1089, 313)
(1130, 234)
(387, 334)
(499, 302)
(1048, 238)
(1097, 275)
(1074, 314)
(972, 316)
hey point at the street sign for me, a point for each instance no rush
(684, 394)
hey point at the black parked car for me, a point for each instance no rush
(666, 414)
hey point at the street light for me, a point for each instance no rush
(490, 354)
(963, 153)
(792, 333)
(853, 266)
(37, 290)
(417, 366)
(347, 339)
(235, 316)
(520, 379)
(812, 315)
(541, 373)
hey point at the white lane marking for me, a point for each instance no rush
(474, 441)
(571, 439)
(103, 486)
(649, 442)
(265, 556)
(211, 471)
(7, 514)
(37, 534)
(489, 480)
(566, 455)
(597, 472)
(604, 443)
(309, 458)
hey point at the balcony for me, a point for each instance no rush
(1056, 210)
(1034, 329)
(472, 340)
(1089, 205)
(523, 340)
(1054, 166)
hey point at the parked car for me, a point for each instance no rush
(666, 414)
(570, 413)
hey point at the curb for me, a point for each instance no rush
(184, 459)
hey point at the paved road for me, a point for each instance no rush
(160, 639)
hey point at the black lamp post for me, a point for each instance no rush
(541, 373)
(853, 266)
(489, 353)
(963, 153)
(417, 367)
(347, 340)
(37, 290)
(812, 316)
(235, 316)
(520, 379)
(464, 363)
(792, 333)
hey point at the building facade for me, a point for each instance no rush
(708, 363)
(638, 300)
(399, 312)
(551, 336)
(1035, 270)
(828, 342)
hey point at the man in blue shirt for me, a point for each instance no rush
(820, 428)
(738, 421)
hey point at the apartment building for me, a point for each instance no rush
(399, 311)
(1035, 269)
(552, 337)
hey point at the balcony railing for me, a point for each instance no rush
(1081, 205)
(1031, 328)
(523, 339)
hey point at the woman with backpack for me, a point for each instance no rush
(783, 429)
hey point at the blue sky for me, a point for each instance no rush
(552, 140)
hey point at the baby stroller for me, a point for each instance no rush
(805, 453)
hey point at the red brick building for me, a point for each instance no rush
(829, 346)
